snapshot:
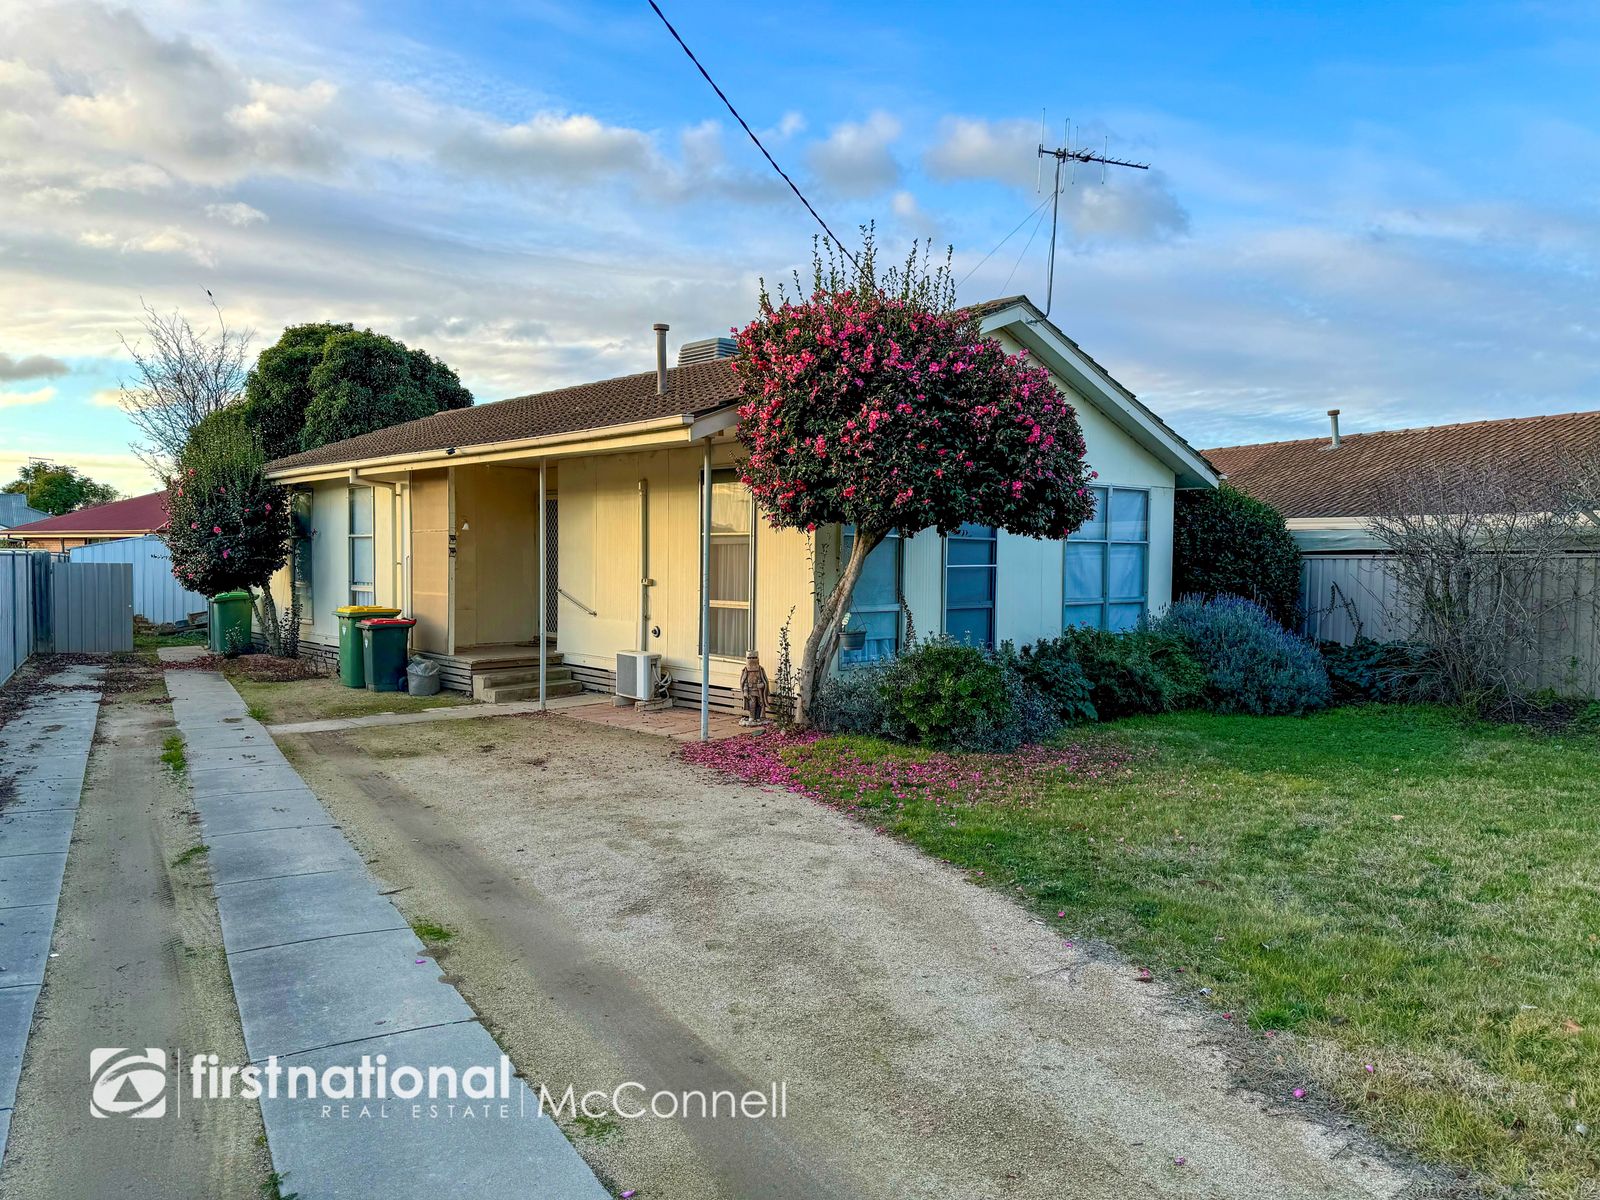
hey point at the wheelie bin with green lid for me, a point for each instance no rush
(351, 671)
(383, 647)
(230, 623)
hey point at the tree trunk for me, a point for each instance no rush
(267, 617)
(823, 640)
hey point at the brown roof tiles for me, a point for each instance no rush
(1310, 479)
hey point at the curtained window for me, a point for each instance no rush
(1106, 580)
(363, 564)
(874, 603)
(732, 566)
(969, 584)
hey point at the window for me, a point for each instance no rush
(300, 526)
(732, 566)
(1108, 562)
(363, 566)
(874, 603)
(969, 584)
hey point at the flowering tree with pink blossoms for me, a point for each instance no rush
(227, 524)
(873, 401)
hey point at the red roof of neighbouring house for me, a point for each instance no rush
(1312, 479)
(131, 517)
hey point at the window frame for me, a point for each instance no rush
(725, 475)
(846, 537)
(369, 593)
(302, 509)
(1106, 541)
(992, 566)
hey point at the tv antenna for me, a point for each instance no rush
(1068, 157)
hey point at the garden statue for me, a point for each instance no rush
(753, 684)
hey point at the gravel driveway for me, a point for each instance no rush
(622, 916)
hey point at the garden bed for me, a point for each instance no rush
(1413, 897)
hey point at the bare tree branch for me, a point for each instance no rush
(180, 376)
(1488, 566)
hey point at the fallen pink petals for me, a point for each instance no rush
(1299, 1093)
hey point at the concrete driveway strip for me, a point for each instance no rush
(326, 973)
(43, 753)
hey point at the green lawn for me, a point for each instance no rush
(1400, 890)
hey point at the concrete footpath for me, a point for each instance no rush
(137, 963)
(326, 972)
(44, 752)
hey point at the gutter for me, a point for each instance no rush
(451, 456)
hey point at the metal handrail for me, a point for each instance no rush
(563, 591)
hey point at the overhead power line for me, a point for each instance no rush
(793, 187)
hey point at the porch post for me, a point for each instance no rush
(542, 599)
(705, 596)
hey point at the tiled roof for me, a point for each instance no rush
(133, 516)
(691, 391)
(1310, 479)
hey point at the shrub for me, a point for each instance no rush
(1252, 664)
(1226, 543)
(1051, 666)
(952, 695)
(852, 700)
(1135, 672)
(1370, 670)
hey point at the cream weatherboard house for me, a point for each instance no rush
(579, 514)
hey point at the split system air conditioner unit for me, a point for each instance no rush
(637, 672)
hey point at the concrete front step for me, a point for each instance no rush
(530, 691)
(506, 677)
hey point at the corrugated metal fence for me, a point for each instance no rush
(51, 605)
(1342, 595)
(157, 596)
(16, 609)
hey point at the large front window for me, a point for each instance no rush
(732, 566)
(1106, 580)
(872, 632)
(969, 584)
(363, 563)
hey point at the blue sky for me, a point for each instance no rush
(1391, 209)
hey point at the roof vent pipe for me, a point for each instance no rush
(661, 357)
(1333, 416)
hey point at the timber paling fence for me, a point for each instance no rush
(52, 605)
(1346, 595)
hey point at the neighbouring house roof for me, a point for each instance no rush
(704, 388)
(1311, 479)
(14, 510)
(121, 518)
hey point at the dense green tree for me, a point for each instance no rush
(56, 489)
(1229, 544)
(278, 390)
(323, 382)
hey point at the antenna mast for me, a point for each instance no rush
(1063, 155)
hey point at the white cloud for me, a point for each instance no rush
(26, 399)
(857, 159)
(235, 213)
(548, 145)
(106, 398)
(968, 148)
(1125, 204)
